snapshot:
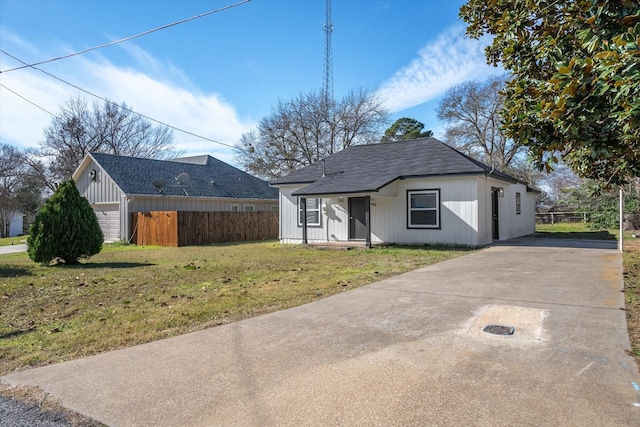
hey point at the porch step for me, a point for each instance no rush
(337, 246)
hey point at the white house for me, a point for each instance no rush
(15, 225)
(411, 192)
(117, 186)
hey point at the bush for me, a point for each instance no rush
(66, 228)
(603, 209)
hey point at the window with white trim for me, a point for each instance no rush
(234, 208)
(249, 208)
(313, 212)
(423, 209)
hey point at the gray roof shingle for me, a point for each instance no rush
(212, 178)
(368, 168)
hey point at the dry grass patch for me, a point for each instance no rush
(130, 295)
(632, 292)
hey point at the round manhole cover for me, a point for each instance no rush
(499, 329)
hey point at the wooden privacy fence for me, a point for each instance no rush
(171, 228)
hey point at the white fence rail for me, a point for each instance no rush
(557, 217)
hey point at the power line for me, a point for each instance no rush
(127, 38)
(116, 105)
(32, 103)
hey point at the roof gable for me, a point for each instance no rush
(368, 168)
(214, 178)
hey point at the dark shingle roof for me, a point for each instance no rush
(212, 178)
(368, 168)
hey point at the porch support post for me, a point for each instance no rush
(303, 204)
(367, 220)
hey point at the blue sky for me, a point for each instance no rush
(218, 75)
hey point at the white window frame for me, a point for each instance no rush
(434, 191)
(275, 208)
(234, 208)
(310, 210)
(249, 208)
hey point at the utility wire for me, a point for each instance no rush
(127, 38)
(32, 103)
(116, 105)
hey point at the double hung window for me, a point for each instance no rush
(423, 209)
(313, 212)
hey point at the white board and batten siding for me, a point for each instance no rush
(389, 215)
(105, 198)
(465, 213)
(458, 213)
(163, 203)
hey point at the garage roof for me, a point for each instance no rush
(207, 177)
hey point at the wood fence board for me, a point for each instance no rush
(171, 228)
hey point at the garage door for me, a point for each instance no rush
(109, 220)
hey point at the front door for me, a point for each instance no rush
(494, 214)
(357, 218)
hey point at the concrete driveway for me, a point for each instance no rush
(404, 351)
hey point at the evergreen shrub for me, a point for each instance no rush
(65, 229)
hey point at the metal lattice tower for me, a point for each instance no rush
(327, 83)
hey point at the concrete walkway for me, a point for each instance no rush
(12, 249)
(404, 351)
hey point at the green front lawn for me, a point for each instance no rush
(574, 230)
(7, 241)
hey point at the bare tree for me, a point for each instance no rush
(11, 170)
(472, 112)
(79, 130)
(308, 128)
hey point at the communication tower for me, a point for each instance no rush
(327, 84)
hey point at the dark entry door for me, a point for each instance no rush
(357, 220)
(494, 214)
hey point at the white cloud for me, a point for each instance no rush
(168, 98)
(448, 61)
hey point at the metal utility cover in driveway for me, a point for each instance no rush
(527, 323)
(403, 351)
(499, 329)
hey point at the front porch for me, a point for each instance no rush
(338, 246)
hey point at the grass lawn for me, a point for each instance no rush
(128, 295)
(7, 241)
(574, 230)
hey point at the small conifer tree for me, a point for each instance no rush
(66, 228)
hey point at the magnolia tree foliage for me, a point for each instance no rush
(65, 228)
(308, 128)
(405, 129)
(575, 85)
